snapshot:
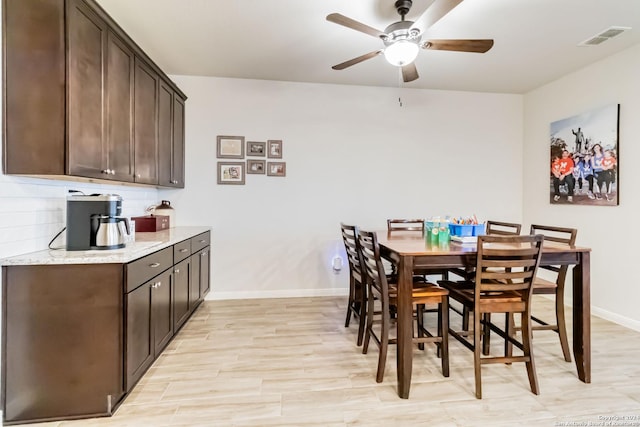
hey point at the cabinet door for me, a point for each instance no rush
(181, 275)
(87, 38)
(119, 78)
(205, 270)
(194, 283)
(145, 124)
(170, 137)
(140, 348)
(161, 311)
(178, 142)
(165, 135)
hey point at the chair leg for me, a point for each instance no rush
(510, 325)
(384, 343)
(561, 324)
(476, 354)
(363, 314)
(352, 300)
(420, 323)
(528, 351)
(370, 311)
(465, 318)
(443, 328)
(486, 334)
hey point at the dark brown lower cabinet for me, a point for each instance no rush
(62, 341)
(149, 325)
(181, 275)
(76, 338)
(205, 271)
(199, 283)
(194, 283)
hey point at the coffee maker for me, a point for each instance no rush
(94, 222)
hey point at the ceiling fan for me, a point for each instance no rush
(403, 39)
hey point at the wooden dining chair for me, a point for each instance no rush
(405, 225)
(387, 293)
(564, 236)
(493, 228)
(505, 269)
(357, 289)
(499, 228)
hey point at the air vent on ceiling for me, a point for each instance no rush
(603, 36)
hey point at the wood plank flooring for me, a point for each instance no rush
(291, 362)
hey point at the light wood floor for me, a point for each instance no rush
(291, 362)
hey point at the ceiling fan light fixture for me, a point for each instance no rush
(401, 53)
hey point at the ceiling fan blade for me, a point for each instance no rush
(459, 45)
(434, 13)
(357, 60)
(409, 72)
(336, 18)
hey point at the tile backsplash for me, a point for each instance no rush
(33, 211)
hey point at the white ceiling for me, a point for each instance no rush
(290, 40)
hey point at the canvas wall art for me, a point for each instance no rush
(584, 158)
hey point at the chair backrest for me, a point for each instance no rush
(499, 228)
(351, 246)
(556, 234)
(405, 225)
(562, 235)
(372, 264)
(507, 263)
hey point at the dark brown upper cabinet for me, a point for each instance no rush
(84, 101)
(170, 137)
(145, 133)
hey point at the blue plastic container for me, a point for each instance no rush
(464, 230)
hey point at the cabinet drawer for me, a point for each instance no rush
(181, 251)
(200, 241)
(143, 269)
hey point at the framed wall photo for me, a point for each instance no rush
(255, 166)
(255, 148)
(231, 173)
(276, 168)
(274, 149)
(230, 147)
(584, 158)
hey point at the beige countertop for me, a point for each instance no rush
(145, 244)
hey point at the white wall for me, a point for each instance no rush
(352, 155)
(610, 231)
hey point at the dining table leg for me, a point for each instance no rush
(582, 317)
(404, 346)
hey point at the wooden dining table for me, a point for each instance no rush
(410, 250)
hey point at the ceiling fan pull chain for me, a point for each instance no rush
(400, 87)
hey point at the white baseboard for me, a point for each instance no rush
(616, 318)
(606, 315)
(281, 293)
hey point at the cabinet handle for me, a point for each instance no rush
(202, 241)
(113, 172)
(138, 175)
(177, 270)
(158, 284)
(183, 250)
(203, 254)
(105, 171)
(154, 265)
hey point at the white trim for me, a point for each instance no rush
(282, 293)
(616, 318)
